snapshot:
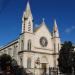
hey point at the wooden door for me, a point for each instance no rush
(44, 65)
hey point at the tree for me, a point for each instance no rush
(9, 66)
(5, 60)
(65, 59)
(73, 63)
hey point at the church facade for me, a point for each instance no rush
(36, 48)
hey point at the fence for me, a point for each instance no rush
(41, 71)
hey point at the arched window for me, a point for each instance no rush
(54, 47)
(9, 50)
(58, 47)
(29, 45)
(21, 61)
(15, 48)
(22, 45)
(29, 26)
(29, 63)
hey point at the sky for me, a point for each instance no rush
(11, 12)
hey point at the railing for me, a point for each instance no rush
(34, 71)
(41, 71)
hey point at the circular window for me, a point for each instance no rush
(43, 41)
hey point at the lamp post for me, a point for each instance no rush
(72, 66)
(36, 62)
(72, 61)
(21, 59)
(49, 71)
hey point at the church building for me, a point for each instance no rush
(35, 49)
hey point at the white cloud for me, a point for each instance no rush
(73, 27)
(69, 30)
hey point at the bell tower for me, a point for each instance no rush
(56, 37)
(27, 20)
(26, 39)
(56, 43)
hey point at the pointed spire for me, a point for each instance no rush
(43, 21)
(55, 29)
(28, 11)
(28, 7)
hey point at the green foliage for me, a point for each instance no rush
(5, 60)
(7, 64)
(65, 60)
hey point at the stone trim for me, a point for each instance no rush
(38, 52)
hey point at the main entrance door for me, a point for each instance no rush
(44, 66)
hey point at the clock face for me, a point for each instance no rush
(43, 41)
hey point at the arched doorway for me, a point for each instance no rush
(44, 63)
(29, 45)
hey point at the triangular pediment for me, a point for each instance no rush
(40, 32)
(42, 29)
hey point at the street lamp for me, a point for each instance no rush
(36, 62)
(72, 66)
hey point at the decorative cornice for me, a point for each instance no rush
(38, 52)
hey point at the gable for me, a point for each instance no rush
(43, 31)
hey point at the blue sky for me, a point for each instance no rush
(11, 12)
